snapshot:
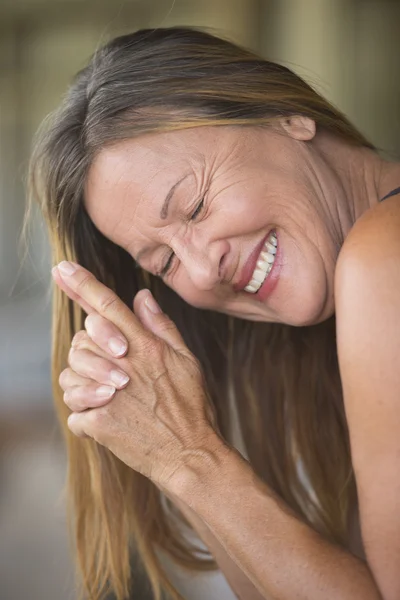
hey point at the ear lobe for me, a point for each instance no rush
(299, 127)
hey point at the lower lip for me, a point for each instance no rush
(270, 282)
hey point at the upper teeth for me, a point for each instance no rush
(264, 264)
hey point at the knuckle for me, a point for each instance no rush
(79, 338)
(166, 325)
(77, 398)
(196, 364)
(151, 345)
(70, 358)
(93, 372)
(108, 301)
(97, 417)
(101, 327)
(84, 282)
(67, 399)
(72, 400)
(63, 378)
(89, 324)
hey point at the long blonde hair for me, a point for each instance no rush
(285, 380)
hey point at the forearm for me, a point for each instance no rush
(239, 582)
(282, 557)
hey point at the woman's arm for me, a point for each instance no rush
(368, 334)
(239, 582)
(283, 558)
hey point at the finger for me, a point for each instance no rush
(90, 365)
(72, 295)
(89, 423)
(82, 341)
(82, 397)
(106, 335)
(69, 378)
(104, 301)
(77, 423)
(151, 315)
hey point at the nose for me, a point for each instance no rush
(203, 260)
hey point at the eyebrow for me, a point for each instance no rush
(168, 198)
(163, 213)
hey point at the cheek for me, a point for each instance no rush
(185, 288)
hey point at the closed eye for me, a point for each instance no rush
(198, 210)
(168, 264)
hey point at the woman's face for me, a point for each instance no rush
(197, 206)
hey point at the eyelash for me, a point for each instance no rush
(167, 266)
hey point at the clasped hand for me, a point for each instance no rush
(159, 418)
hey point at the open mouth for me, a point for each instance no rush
(264, 264)
(259, 265)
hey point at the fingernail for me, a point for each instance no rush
(119, 378)
(117, 346)
(105, 391)
(66, 268)
(152, 304)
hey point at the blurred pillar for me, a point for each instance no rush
(10, 187)
(315, 38)
(377, 73)
(236, 19)
(349, 51)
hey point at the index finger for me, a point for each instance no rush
(70, 293)
(88, 291)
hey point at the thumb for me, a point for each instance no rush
(153, 318)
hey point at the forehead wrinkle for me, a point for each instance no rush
(130, 224)
(134, 220)
(117, 186)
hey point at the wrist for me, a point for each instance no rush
(204, 471)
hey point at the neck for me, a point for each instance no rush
(365, 178)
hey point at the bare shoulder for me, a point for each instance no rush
(367, 303)
(371, 250)
(367, 295)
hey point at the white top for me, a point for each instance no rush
(211, 585)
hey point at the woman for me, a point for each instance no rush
(249, 210)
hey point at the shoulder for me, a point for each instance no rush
(383, 220)
(367, 302)
(370, 253)
(367, 299)
(367, 295)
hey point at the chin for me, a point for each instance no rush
(297, 312)
(307, 312)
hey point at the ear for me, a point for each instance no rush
(299, 127)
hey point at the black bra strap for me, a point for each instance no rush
(392, 193)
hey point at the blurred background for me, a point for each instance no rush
(348, 49)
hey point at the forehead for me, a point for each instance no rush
(125, 181)
(133, 176)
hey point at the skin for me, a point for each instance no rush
(252, 180)
(170, 436)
